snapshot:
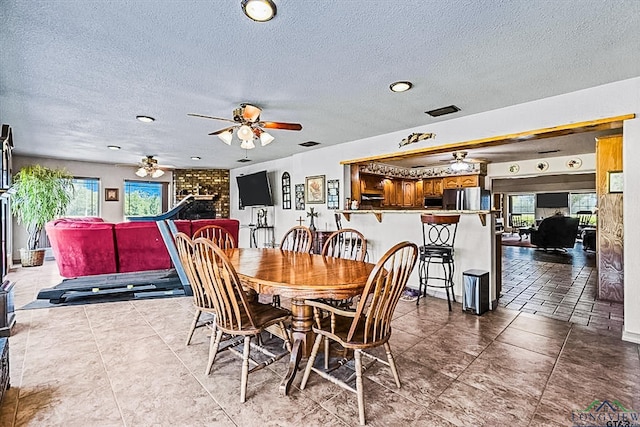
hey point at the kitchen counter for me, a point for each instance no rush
(482, 214)
(475, 246)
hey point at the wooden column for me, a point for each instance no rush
(609, 245)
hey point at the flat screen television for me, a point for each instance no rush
(254, 189)
(552, 200)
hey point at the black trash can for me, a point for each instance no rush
(475, 298)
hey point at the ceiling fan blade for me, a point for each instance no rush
(222, 130)
(280, 125)
(209, 117)
(250, 113)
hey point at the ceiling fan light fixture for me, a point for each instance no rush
(266, 138)
(259, 10)
(226, 137)
(141, 172)
(157, 173)
(460, 166)
(247, 144)
(245, 133)
(401, 86)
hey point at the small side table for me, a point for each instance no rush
(267, 234)
(319, 237)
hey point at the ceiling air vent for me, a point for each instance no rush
(548, 151)
(244, 160)
(309, 144)
(442, 111)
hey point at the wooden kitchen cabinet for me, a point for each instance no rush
(432, 187)
(389, 193)
(371, 184)
(399, 192)
(462, 181)
(408, 193)
(419, 199)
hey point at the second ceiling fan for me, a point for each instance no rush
(249, 126)
(460, 162)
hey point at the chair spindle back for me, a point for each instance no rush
(346, 243)
(223, 287)
(382, 292)
(297, 239)
(218, 235)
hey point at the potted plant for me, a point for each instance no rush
(40, 195)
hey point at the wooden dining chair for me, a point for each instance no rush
(201, 301)
(218, 235)
(346, 243)
(297, 239)
(368, 326)
(237, 315)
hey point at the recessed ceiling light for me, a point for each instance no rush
(245, 160)
(259, 10)
(146, 119)
(400, 86)
(309, 143)
(442, 111)
(113, 147)
(195, 158)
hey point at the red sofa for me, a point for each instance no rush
(89, 246)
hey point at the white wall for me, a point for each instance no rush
(110, 176)
(609, 100)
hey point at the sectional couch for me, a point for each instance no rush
(89, 246)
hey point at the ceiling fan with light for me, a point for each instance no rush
(148, 166)
(460, 162)
(248, 126)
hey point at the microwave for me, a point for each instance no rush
(433, 202)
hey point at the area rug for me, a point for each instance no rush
(508, 240)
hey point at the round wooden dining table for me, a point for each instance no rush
(299, 276)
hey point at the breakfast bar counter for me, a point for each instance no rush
(475, 245)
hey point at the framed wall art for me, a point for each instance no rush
(299, 189)
(614, 180)
(111, 194)
(333, 194)
(314, 189)
(286, 191)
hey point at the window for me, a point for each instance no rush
(85, 200)
(524, 204)
(583, 202)
(142, 198)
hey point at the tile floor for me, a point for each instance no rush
(125, 364)
(561, 286)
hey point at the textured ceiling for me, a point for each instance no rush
(75, 73)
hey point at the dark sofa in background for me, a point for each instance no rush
(556, 232)
(89, 246)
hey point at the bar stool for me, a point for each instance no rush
(438, 237)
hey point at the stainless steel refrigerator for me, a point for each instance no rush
(466, 199)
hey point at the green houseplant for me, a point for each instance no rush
(41, 194)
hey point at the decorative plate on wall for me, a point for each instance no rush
(514, 168)
(542, 166)
(574, 163)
